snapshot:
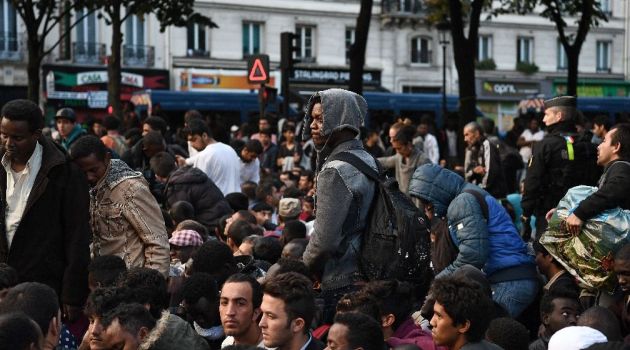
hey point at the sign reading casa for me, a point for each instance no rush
(100, 77)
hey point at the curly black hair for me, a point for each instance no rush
(200, 285)
(214, 258)
(359, 302)
(508, 334)
(393, 297)
(363, 331)
(546, 303)
(147, 286)
(106, 269)
(464, 301)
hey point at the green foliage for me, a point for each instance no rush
(168, 12)
(527, 68)
(487, 64)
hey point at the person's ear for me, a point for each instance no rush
(298, 325)
(616, 148)
(462, 329)
(545, 319)
(388, 320)
(143, 333)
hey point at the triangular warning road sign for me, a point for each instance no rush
(258, 73)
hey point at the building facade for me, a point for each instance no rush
(518, 56)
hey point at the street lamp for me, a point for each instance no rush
(444, 28)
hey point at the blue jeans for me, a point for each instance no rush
(515, 296)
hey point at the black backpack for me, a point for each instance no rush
(396, 240)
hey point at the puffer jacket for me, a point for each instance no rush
(343, 195)
(491, 245)
(126, 220)
(194, 186)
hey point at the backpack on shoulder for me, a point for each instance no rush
(396, 240)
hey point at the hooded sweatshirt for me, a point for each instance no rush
(490, 245)
(343, 194)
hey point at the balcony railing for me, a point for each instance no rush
(402, 7)
(88, 52)
(11, 47)
(197, 53)
(138, 55)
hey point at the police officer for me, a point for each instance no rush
(560, 161)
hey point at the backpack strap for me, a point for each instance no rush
(357, 163)
(481, 201)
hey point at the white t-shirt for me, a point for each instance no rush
(431, 148)
(250, 171)
(222, 165)
(526, 151)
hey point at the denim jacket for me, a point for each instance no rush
(343, 200)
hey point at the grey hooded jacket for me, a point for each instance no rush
(343, 195)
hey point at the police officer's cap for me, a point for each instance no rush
(66, 113)
(561, 101)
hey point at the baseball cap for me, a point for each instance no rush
(66, 113)
(289, 207)
(186, 238)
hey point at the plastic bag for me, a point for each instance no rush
(589, 255)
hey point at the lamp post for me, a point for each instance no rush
(444, 28)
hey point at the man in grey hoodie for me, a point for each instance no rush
(343, 193)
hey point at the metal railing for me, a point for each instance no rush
(402, 7)
(138, 55)
(88, 52)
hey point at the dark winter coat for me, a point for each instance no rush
(51, 244)
(613, 191)
(194, 186)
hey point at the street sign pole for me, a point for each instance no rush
(261, 101)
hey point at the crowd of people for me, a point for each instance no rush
(129, 234)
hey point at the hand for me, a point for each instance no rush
(574, 224)
(181, 161)
(550, 214)
(479, 170)
(71, 313)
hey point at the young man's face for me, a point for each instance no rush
(262, 216)
(338, 337)
(197, 142)
(622, 270)
(182, 254)
(317, 124)
(543, 262)
(17, 140)
(565, 313)
(117, 337)
(265, 140)
(93, 167)
(305, 184)
(552, 116)
(606, 151)
(64, 126)
(248, 156)
(95, 334)
(277, 329)
(236, 309)
(445, 332)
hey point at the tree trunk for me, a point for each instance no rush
(573, 58)
(357, 50)
(32, 67)
(114, 65)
